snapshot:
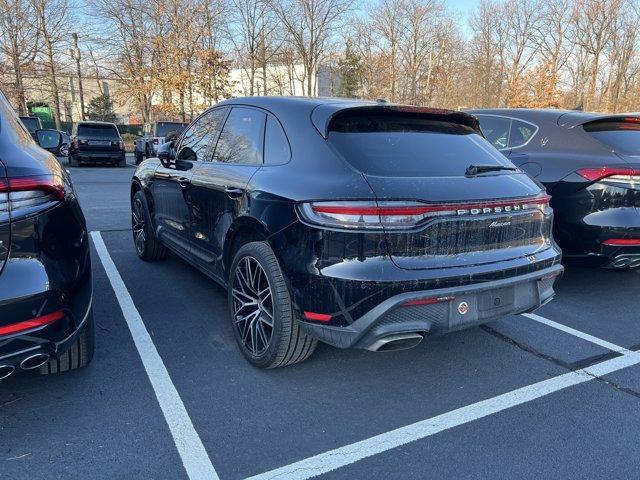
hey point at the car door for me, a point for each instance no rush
(220, 186)
(171, 185)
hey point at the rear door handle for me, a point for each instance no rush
(233, 192)
(184, 181)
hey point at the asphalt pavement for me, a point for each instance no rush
(169, 396)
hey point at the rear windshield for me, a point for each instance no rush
(622, 135)
(163, 128)
(408, 146)
(31, 123)
(108, 131)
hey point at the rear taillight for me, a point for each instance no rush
(74, 143)
(23, 196)
(31, 324)
(121, 145)
(399, 215)
(622, 242)
(611, 174)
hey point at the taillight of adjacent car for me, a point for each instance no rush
(619, 176)
(403, 215)
(25, 196)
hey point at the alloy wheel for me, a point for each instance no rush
(138, 224)
(252, 305)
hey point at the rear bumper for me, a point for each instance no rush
(590, 247)
(98, 157)
(452, 309)
(48, 270)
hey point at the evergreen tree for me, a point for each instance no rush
(350, 69)
(101, 108)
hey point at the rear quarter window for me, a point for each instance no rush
(504, 132)
(406, 146)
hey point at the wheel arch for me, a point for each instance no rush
(243, 230)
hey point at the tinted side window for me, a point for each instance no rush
(276, 146)
(241, 137)
(495, 130)
(199, 139)
(521, 133)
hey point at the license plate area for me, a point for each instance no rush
(496, 299)
(100, 143)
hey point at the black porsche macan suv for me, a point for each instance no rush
(360, 224)
(590, 165)
(46, 322)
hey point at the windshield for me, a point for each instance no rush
(405, 147)
(163, 128)
(621, 134)
(107, 131)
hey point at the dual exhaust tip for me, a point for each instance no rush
(398, 341)
(626, 261)
(28, 363)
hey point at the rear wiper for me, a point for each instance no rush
(476, 169)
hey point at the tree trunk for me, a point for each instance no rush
(19, 85)
(53, 82)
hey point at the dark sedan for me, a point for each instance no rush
(590, 164)
(46, 321)
(360, 224)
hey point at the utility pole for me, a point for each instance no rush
(75, 54)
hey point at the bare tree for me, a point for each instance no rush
(592, 30)
(19, 38)
(310, 25)
(388, 25)
(54, 24)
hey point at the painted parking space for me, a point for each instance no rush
(334, 388)
(258, 423)
(98, 422)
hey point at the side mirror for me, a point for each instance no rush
(49, 139)
(171, 136)
(166, 154)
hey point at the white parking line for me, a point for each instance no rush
(348, 454)
(192, 452)
(577, 333)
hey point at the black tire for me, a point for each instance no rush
(139, 157)
(78, 355)
(73, 161)
(288, 344)
(148, 247)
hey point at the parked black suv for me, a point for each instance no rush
(590, 164)
(360, 224)
(153, 135)
(96, 142)
(46, 322)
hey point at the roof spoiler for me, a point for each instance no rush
(323, 114)
(575, 119)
